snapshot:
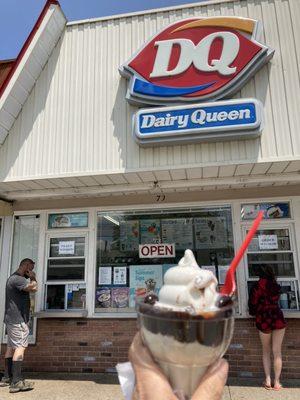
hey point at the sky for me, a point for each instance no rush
(17, 17)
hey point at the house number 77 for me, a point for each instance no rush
(160, 197)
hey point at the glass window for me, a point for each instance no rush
(273, 247)
(63, 297)
(25, 239)
(65, 287)
(67, 247)
(124, 273)
(25, 245)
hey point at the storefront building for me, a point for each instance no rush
(101, 207)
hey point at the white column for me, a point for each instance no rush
(91, 263)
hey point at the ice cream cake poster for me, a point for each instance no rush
(139, 275)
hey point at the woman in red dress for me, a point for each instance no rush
(270, 322)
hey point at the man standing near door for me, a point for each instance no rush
(16, 318)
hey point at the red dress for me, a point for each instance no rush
(263, 303)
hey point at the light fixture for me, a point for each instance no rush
(112, 220)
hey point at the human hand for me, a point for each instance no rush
(31, 275)
(152, 383)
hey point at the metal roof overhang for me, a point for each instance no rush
(233, 176)
(29, 64)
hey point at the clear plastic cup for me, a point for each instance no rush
(185, 345)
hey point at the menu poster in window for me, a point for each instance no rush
(104, 275)
(222, 271)
(268, 242)
(271, 210)
(129, 235)
(66, 247)
(139, 276)
(150, 231)
(120, 276)
(211, 232)
(178, 231)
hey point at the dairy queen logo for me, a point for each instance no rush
(196, 59)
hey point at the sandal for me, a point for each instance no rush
(277, 387)
(267, 387)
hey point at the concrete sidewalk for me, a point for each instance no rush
(105, 387)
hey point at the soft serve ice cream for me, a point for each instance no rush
(188, 326)
(188, 287)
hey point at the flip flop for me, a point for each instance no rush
(267, 387)
(279, 387)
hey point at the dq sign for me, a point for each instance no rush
(196, 59)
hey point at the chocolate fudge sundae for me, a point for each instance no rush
(188, 326)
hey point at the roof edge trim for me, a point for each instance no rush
(27, 43)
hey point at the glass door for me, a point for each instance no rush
(273, 245)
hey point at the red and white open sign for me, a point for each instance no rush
(160, 250)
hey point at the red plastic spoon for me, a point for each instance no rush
(230, 286)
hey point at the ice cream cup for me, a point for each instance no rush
(185, 345)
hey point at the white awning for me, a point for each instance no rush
(233, 176)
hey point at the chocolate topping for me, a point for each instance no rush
(151, 298)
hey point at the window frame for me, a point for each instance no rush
(268, 224)
(64, 234)
(171, 208)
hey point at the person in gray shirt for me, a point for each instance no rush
(16, 319)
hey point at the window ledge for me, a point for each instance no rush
(61, 314)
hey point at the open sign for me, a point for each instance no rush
(156, 250)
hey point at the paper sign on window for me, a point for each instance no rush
(67, 247)
(267, 242)
(120, 275)
(104, 275)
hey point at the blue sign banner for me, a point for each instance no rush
(224, 119)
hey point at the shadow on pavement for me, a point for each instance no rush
(101, 378)
(250, 382)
